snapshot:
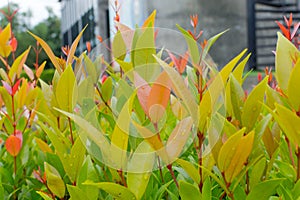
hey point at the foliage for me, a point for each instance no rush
(150, 124)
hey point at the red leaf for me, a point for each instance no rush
(285, 31)
(13, 145)
(88, 46)
(13, 43)
(16, 87)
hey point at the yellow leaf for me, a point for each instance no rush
(40, 69)
(54, 181)
(285, 51)
(294, 85)
(150, 21)
(5, 48)
(49, 52)
(43, 146)
(74, 46)
(22, 94)
(240, 157)
(17, 66)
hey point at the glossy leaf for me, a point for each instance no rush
(190, 169)
(67, 91)
(44, 147)
(239, 69)
(264, 189)
(257, 172)
(49, 52)
(76, 193)
(143, 91)
(17, 66)
(5, 48)
(107, 89)
(13, 145)
(285, 52)
(118, 47)
(140, 167)
(253, 105)
(40, 69)
(158, 98)
(150, 21)
(189, 191)
(91, 69)
(210, 42)
(117, 191)
(293, 87)
(237, 97)
(178, 138)
(54, 181)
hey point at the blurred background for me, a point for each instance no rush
(251, 22)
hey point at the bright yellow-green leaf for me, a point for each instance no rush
(120, 135)
(178, 138)
(49, 52)
(190, 169)
(272, 97)
(264, 190)
(257, 172)
(189, 191)
(293, 87)
(150, 21)
(240, 157)
(5, 48)
(17, 66)
(285, 52)
(289, 122)
(90, 68)
(192, 45)
(119, 192)
(22, 94)
(66, 90)
(75, 160)
(86, 90)
(43, 146)
(54, 181)
(139, 169)
(237, 97)
(126, 66)
(253, 105)
(239, 69)
(107, 89)
(228, 150)
(118, 46)
(77, 193)
(44, 196)
(207, 105)
(74, 46)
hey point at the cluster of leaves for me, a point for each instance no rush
(146, 127)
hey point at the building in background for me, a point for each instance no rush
(251, 23)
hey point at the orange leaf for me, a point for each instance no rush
(40, 69)
(13, 145)
(143, 91)
(159, 97)
(150, 20)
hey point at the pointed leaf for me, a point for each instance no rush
(17, 66)
(73, 47)
(293, 87)
(190, 169)
(118, 47)
(54, 181)
(150, 21)
(264, 189)
(189, 191)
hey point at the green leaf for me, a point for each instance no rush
(117, 191)
(107, 89)
(44, 196)
(120, 135)
(189, 191)
(75, 160)
(253, 105)
(139, 169)
(190, 169)
(206, 190)
(67, 91)
(54, 181)
(239, 69)
(293, 87)
(237, 97)
(264, 189)
(257, 172)
(192, 45)
(289, 122)
(210, 42)
(76, 193)
(118, 46)
(91, 69)
(86, 90)
(285, 51)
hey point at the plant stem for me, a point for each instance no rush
(160, 171)
(15, 166)
(71, 131)
(173, 175)
(200, 160)
(298, 164)
(120, 172)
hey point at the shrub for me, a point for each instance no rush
(149, 124)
